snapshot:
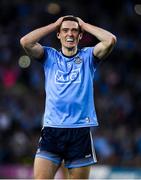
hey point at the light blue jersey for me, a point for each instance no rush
(69, 89)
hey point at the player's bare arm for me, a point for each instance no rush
(30, 42)
(107, 39)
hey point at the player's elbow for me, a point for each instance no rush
(112, 40)
(24, 42)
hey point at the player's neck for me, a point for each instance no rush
(69, 52)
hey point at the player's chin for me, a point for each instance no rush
(71, 46)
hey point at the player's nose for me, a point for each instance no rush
(70, 33)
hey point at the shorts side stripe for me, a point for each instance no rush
(92, 146)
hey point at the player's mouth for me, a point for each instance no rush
(69, 39)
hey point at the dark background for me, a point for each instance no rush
(117, 85)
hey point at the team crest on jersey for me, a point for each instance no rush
(78, 60)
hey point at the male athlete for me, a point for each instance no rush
(69, 107)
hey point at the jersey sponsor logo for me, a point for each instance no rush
(67, 78)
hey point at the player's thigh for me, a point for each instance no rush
(44, 169)
(79, 173)
(62, 173)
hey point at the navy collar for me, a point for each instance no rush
(70, 56)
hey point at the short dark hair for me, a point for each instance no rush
(70, 18)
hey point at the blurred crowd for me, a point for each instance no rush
(117, 84)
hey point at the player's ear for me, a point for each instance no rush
(80, 36)
(58, 35)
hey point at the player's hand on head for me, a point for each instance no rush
(81, 22)
(59, 21)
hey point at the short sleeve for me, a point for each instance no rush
(93, 60)
(47, 56)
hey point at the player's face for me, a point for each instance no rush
(69, 34)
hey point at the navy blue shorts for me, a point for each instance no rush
(74, 146)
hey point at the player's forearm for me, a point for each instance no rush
(33, 37)
(101, 34)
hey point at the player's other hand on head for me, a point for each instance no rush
(81, 22)
(59, 21)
